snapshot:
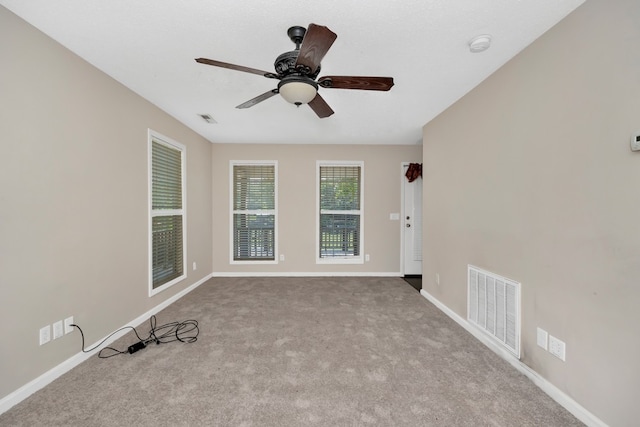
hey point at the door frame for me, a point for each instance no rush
(403, 165)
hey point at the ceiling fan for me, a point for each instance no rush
(298, 69)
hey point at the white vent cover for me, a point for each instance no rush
(207, 118)
(493, 305)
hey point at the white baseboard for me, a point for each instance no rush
(306, 274)
(31, 387)
(555, 393)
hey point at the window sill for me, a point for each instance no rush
(154, 291)
(335, 261)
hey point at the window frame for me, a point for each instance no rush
(340, 259)
(232, 211)
(170, 143)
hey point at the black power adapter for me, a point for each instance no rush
(136, 347)
(185, 332)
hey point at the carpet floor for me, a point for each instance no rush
(298, 352)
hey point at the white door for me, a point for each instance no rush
(412, 224)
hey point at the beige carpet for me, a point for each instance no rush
(298, 352)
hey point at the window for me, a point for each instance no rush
(340, 216)
(167, 213)
(253, 216)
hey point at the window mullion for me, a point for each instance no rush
(338, 212)
(166, 212)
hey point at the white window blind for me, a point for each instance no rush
(167, 213)
(254, 212)
(340, 216)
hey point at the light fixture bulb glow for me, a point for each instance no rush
(297, 90)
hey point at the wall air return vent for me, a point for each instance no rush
(493, 306)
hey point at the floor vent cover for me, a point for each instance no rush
(493, 305)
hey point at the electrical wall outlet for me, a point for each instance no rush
(58, 330)
(557, 347)
(438, 279)
(542, 338)
(45, 334)
(367, 258)
(67, 325)
(281, 257)
(195, 267)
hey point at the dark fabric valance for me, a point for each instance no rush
(414, 172)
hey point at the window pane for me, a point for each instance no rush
(339, 235)
(167, 249)
(254, 237)
(166, 177)
(340, 211)
(340, 187)
(254, 187)
(254, 204)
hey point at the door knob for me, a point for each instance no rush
(408, 225)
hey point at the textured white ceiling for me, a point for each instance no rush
(150, 46)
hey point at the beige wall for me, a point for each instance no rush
(297, 205)
(73, 201)
(531, 176)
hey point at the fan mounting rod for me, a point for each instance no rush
(296, 34)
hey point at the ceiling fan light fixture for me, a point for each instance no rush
(297, 90)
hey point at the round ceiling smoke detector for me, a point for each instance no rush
(480, 43)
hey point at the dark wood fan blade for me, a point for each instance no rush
(317, 41)
(320, 107)
(257, 99)
(235, 67)
(354, 82)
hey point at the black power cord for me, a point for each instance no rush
(186, 332)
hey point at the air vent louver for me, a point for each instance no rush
(494, 307)
(207, 118)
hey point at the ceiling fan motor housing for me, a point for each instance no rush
(285, 65)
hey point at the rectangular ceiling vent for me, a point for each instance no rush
(207, 118)
(493, 306)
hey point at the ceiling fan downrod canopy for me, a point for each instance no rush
(296, 34)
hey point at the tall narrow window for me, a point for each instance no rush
(253, 193)
(167, 245)
(340, 215)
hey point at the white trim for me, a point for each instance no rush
(402, 214)
(554, 392)
(350, 259)
(43, 380)
(341, 260)
(161, 139)
(273, 163)
(306, 274)
(404, 166)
